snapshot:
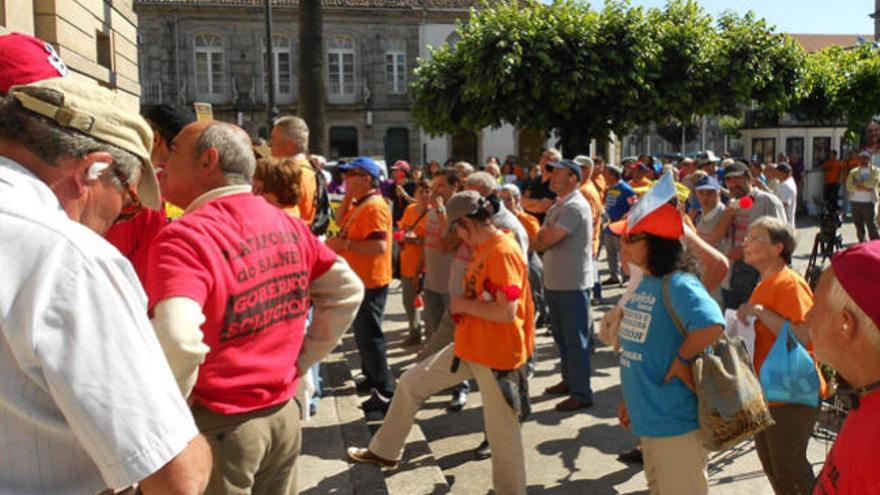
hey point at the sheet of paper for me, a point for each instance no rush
(733, 327)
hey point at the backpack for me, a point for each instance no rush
(323, 210)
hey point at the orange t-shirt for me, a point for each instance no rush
(530, 223)
(645, 182)
(588, 189)
(787, 294)
(832, 170)
(601, 185)
(370, 219)
(411, 253)
(497, 269)
(308, 187)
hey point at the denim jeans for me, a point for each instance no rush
(371, 341)
(536, 281)
(570, 326)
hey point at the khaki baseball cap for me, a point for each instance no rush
(99, 113)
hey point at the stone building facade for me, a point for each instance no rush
(214, 51)
(97, 39)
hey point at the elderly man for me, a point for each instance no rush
(87, 401)
(749, 204)
(365, 242)
(588, 189)
(230, 286)
(511, 196)
(290, 139)
(844, 326)
(566, 239)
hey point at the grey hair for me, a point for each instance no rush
(482, 182)
(464, 168)
(233, 150)
(839, 300)
(50, 142)
(780, 233)
(554, 153)
(513, 190)
(296, 129)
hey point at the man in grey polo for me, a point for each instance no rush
(565, 239)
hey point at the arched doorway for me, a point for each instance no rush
(530, 146)
(343, 142)
(396, 144)
(464, 147)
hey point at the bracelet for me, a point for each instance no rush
(682, 360)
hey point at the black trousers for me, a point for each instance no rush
(371, 341)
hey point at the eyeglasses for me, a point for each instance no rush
(134, 206)
(633, 238)
(750, 238)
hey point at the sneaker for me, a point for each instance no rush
(633, 456)
(483, 451)
(459, 400)
(375, 403)
(363, 386)
(364, 456)
(572, 404)
(611, 281)
(560, 388)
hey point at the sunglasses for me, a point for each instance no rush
(548, 168)
(134, 205)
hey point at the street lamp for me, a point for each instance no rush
(271, 110)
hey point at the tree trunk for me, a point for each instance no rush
(575, 141)
(311, 72)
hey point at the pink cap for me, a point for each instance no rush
(858, 269)
(25, 59)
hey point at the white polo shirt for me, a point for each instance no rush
(87, 400)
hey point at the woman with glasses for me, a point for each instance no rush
(660, 405)
(494, 338)
(782, 294)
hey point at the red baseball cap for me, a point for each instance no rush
(25, 59)
(858, 269)
(400, 165)
(663, 222)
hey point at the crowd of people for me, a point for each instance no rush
(170, 291)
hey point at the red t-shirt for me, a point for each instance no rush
(849, 467)
(249, 265)
(134, 237)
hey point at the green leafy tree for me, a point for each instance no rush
(584, 73)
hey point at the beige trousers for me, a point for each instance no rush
(433, 375)
(254, 453)
(676, 465)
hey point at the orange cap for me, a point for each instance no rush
(663, 222)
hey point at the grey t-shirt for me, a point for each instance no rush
(765, 204)
(568, 265)
(437, 262)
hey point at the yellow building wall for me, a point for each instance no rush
(82, 31)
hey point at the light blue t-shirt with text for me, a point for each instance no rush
(649, 343)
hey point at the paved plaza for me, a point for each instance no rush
(566, 453)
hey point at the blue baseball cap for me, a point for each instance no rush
(574, 167)
(707, 183)
(364, 163)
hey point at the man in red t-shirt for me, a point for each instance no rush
(844, 326)
(230, 284)
(134, 237)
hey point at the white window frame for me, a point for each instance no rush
(341, 84)
(210, 86)
(280, 47)
(395, 71)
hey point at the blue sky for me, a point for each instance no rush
(794, 16)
